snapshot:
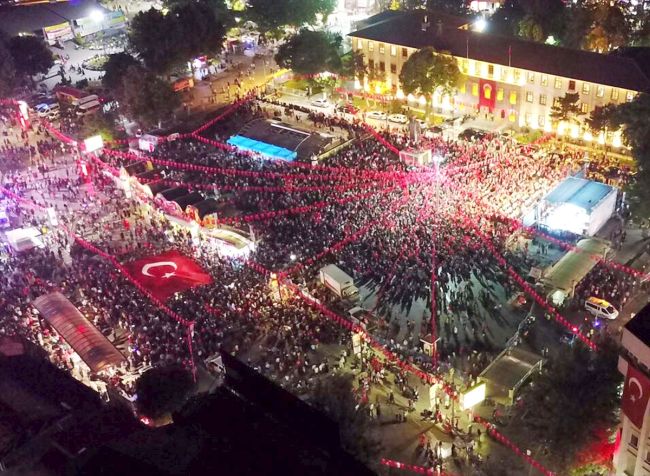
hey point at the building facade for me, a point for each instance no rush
(505, 80)
(632, 454)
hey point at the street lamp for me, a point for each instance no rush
(480, 25)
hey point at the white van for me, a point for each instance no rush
(600, 308)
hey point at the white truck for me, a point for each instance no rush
(338, 281)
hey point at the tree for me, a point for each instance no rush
(115, 68)
(163, 390)
(197, 29)
(30, 55)
(505, 20)
(153, 37)
(635, 118)
(567, 108)
(219, 8)
(7, 70)
(451, 7)
(530, 29)
(427, 70)
(578, 20)
(358, 431)
(611, 28)
(353, 65)
(145, 97)
(273, 15)
(573, 400)
(164, 41)
(604, 117)
(311, 52)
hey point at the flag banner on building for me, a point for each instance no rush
(167, 274)
(635, 395)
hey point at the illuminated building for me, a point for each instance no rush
(505, 80)
(632, 452)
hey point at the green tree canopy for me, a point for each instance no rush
(163, 390)
(426, 70)
(575, 398)
(359, 433)
(311, 52)
(272, 15)
(604, 117)
(635, 117)
(611, 28)
(30, 55)
(153, 37)
(567, 107)
(353, 65)
(145, 97)
(221, 11)
(115, 68)
(164, 41)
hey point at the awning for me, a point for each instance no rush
(86, 340)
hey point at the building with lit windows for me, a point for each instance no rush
(632, 450)
(506, 80)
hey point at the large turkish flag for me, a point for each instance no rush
(167, 274)
(635, 395)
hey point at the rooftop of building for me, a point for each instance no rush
(639, 325)
(444, 34)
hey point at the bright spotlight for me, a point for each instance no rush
(480, 25)
(292, 257)
(97, 16)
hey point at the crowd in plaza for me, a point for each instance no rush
(410, 230)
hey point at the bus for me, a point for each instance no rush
(89, 107)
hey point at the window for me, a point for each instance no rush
(371, 46)
(487, 91)
(585, 88)
(572, 85)
(405, 52)
(360, 44)
(382, 66)
(634, 441)
(490, 70)
(600, 91)
(500, 94)
(517, 75)
(463, 65)
(513, 97)
(558, 83)
(371, 64)
(511, 117)
(544, 80)
(474, 89)
(472, 67)
(381, 48)
(556, 102)
(531, 77)
(504, 74)
(393, 50)
(647, 456)
(393, 68)
(529, 96)
(463, 88)
(542, 99)
(584, 107)
(614, 94)
(629, 96)
(529, 118)
(541, 120)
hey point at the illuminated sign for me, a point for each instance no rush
(93, 143)
(472, 397)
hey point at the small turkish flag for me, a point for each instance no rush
(167, 274)
(635, 395)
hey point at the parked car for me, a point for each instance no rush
(398, 118)
(378, 115)
(321, 102)
(472, 134)
(347, 108)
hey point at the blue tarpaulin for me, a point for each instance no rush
(263, 148)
